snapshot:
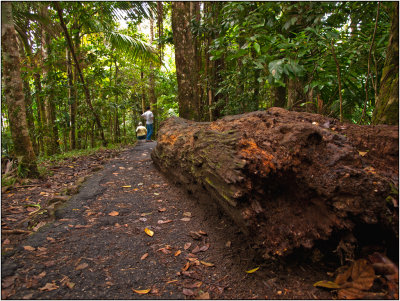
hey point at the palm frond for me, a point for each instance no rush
(131, 46)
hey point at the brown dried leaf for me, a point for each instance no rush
(363, 275)
(196, 250)
(29, 248)
(187, 265)
(144, 256)
(343, 277)
(208, 264)
(204, 296)
(187, 245)
(187, 214)
(81, 266)
(187, 292)
(185, 219)
(205, 247)
(202, 232)
(50, 239)
(177, 253)
(350, 293)
(49, 287)
(6, 241)
(162, 209)
(165, 221)
(114, 213)
(70, 284)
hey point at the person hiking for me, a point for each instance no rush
(141, 132)
(148, 115)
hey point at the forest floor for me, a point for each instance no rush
(97, 244)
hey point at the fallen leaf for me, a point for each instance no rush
(363, 275)
(228, 244)
(252, 270)
(156, 193)
(362, 154)
(144, 256)
(71, 166)
(177, 253)
(114, 213)
(142, 292)
(165, 221)
(187, 265)
(49, 287)
(202, 232)
(185, 219)
(187, 292)
(127, 186)
(50, 239)
(350, 293)
(188, 214)
(204, 296)
(159, 201)
(42, 249)
(196, 284)
(208, 264)
(70, 284)
(162, 209)
(187, 245)
(196, 250)
(29, 248)
(81, 266)
(146, 213)
(41, 275)
(8, 281)
(327, 284)
(143, 219)
(164, 250)
(205, 247)
(6, 241)
(148, 232)
(121, 167)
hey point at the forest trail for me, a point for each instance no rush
(97, 247)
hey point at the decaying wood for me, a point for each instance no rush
(286, 178)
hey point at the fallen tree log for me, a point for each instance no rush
(286, 178)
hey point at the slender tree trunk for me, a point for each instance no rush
(387, 105)
(85, 87)
(116, 126)
(160, 29)
(152, 94)
(72, 102)
(14, 94)
(52, 146)
(279, 96)
(41, 112)
(143, 90)
(339, 80)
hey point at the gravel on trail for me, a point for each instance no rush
(131, 234)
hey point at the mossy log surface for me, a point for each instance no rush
(286, 178)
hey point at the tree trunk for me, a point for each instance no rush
(152, 94)
(72, 102)
(387, 105)
(286, 178)
(51, 136)
(186, 67)
(85, 87)
(279, 96)
(14, 94)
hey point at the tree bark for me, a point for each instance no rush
(287, 179)
(387, 105)
(186, 66)
(14, 94)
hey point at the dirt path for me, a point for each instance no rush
(98, 248)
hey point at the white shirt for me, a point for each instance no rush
(149, 117)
